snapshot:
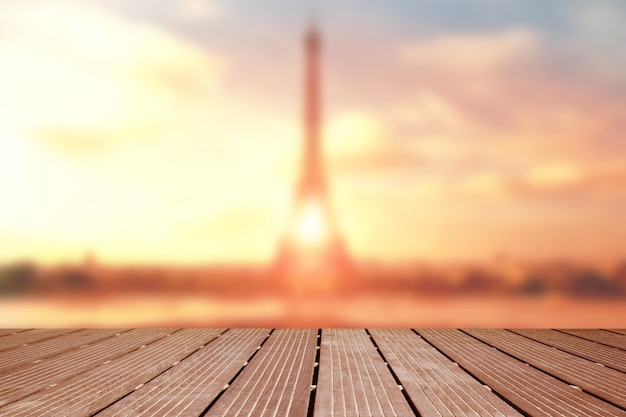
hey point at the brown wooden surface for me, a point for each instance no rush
(277, 381)
(436, 386)
(531, 390)
(26, 380)
(5, 332)
(600, 336)
(600, 381)
(38, 351)
(258, 372)
(187, 388)
(620, 331)
(354, 380)
(91, 391)
(606, 355)
(30, 336)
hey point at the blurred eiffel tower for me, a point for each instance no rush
(312, 247)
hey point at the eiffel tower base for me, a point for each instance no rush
(300, 274)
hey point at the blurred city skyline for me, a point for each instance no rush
(170, 131)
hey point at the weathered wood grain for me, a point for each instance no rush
(606, 355)
(27, 337)
(600, 336)
(189, 387)
(19, 383)
(38, 351)
(91, 391)
(531, 390)
(603, 382)
(277, 382)
(436, 385)
(168, 372)
(6, 332)
(354, 380)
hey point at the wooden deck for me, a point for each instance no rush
(312, 372)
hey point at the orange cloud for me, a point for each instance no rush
(467, 56)
(359, 145)
(503, 136)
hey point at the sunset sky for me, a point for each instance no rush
(170, 130)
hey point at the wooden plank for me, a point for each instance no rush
(606, 355)
(620, 331)
(531, 390)
(600, 336)
(435, 384)
(90, 392)
(38, 351)
(7, 332)
(277, 382)
(189, 387)
(354, 380)
(20, 382)
(605, 383)
(30, 336)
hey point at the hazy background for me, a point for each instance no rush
(142, 132)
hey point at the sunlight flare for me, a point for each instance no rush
(310, 225)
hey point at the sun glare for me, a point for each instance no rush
(310, 226)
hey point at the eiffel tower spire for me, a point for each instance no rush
(312, 171)
(312, 243)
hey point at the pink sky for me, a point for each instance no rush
(145, 139)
